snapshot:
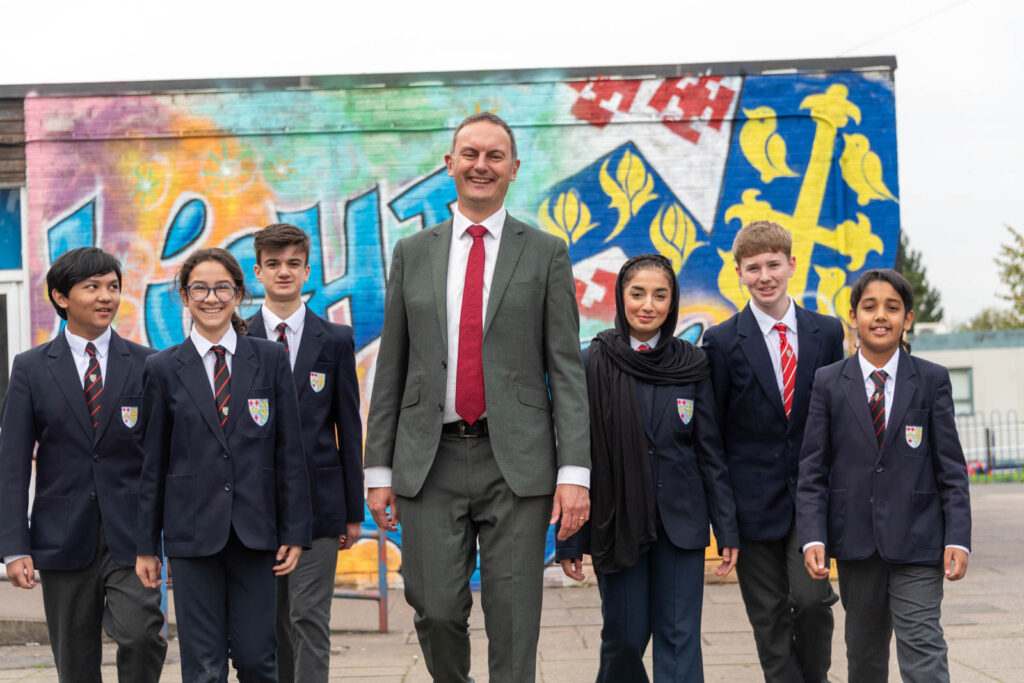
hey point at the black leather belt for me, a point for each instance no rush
(465, 431)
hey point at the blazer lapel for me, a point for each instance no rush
(754, 348)
(257, 328)
(192, 375)
(808, 346)
(309, 350)
(509, 249)
(853, 388)
(243, 372)
(439, 248)
(65, 375)
(650, 402)
(903, 393)
(118, 367)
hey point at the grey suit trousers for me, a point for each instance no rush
(466, 499)
(881, 597)
(103, 595)
(304, 599)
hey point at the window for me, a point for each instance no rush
(963, 390)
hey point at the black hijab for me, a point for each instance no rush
(623, 518)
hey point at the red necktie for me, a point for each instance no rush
(643, 347)
(469, 377)
(877, 405)
(93, 382)
(282, 337)
(221, 383)
(788, 368)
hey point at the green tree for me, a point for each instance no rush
(927, 300)
(1011, 272)
(990, 319)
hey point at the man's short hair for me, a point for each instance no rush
(279, 236)
(490, 118)
(75, 266)
(760, 237)
(898, 282)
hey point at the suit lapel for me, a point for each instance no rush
(853, 388)
(243, 372)
(509, 249)
(309, 350)
(439, 249)
(192, 375)
(118, 367)
(257, 328)
(65, 375)
(754, 348)
(808, 346)
(647, 397)
(903, 393)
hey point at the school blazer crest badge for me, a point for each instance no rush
(259, 409)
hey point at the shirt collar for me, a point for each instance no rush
(652, 342)
(494, 223)
(77, 344)
(766, 322)
(203, 345)
(294, 321)
(890, 366)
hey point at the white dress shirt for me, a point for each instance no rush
(771, 337)
(204, 346)
(652, 342)
(77, 344)
(293, 329)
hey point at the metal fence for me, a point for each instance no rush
(996, 440)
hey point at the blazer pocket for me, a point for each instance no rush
(319, 383)
(49, 527)
(913, 439)
(258, 420)
(411, 396)
(179, 507)
(531, 396)
(129, 415)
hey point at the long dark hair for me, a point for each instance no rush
(223, 257)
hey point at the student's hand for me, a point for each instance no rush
(573, 568)
(147, 567)
(954, 561)
(380, 500)
(816, 563)
(572, 506)
(287, 557)
(22, 573)
(729, 557)
(351, 535)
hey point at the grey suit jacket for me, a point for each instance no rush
(533, 374)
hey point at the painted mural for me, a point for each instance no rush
(615, 167)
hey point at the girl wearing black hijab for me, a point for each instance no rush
(658, 477)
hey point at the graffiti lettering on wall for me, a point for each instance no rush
(613, 167)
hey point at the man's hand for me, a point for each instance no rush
(572, 506)
(384, 508)
(815, 562)
(573, 568)
(729, 557)
(147, 568)
(351, 535)
(22, 573)
(287, 557)
(954, 561)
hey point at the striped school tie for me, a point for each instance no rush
(221, 383)
(788, 368)
(877, 405)
(93, 382)
(282, 337)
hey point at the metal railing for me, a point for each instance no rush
(381, 593)
(995, 440)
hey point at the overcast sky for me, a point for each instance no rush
(959, 80)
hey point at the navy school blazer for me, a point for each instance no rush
(332, 431)
(199, 480)
(688, 472)
(84, 478)
(907, 500)
(762, 446)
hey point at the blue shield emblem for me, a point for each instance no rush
(685, 406)
(317, 380)
(259, 409)
(914, 434)
(129, 415)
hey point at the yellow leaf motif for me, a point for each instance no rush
(674, 235)
(729, 282)
(855, 239)
(631, 188)
(570, 219)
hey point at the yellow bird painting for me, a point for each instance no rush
(764, 148)
(862, 170)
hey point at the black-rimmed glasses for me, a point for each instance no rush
(199, 291)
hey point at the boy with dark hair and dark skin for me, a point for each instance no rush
(78, 397)
(883, 489)
(322, 356)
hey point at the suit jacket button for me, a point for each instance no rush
(650, 451)
(227, 487)
(225, 455)
(879, 468)
(95, 457)
(92, 495)
(440, 407)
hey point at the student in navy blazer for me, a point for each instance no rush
(224, 478)
(658, 480)
(790, 613)
(883, 489)
(322, 356)
(82, 532)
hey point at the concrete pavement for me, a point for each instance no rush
(982, 618)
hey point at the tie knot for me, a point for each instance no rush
(90, 349)
(219, 350)
(476, 231)
(281, 327)
(643, 347)
(878, 377)
(780, 328)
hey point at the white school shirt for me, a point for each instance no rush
(292, 331)
(771, 337)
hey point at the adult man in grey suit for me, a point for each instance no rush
(478, 367)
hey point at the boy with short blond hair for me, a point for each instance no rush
(763, 361)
